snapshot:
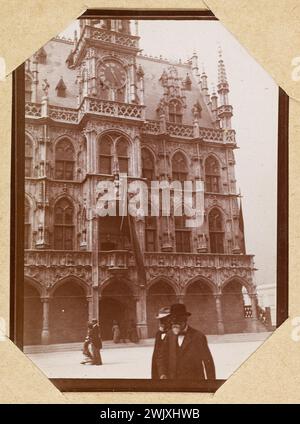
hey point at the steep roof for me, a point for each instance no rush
(153, 69)
(53, 70)
(56, 68)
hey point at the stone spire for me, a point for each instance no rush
(222, 77)
(204, 86)
(225, 109)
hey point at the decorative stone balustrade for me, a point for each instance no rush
(63, 114)
(33, 110)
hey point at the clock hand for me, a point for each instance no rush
(113, 75)
(113, 72)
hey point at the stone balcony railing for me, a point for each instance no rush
(122, 39)
(33, 110)
(115, 259)
(104, 35)
(122, 259)
(205, 260)
(187, 131)
(53, 258)
(128, 111)
(63, 114)
(110, 108)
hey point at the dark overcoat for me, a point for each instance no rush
(95, 337)
(192, 361)
(157, 347)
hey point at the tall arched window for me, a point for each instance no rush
(113, 154)
(216, 231)
(64, 160)
(63, 225)
(105, 155)
(28, 88)
(179, 167)
(27, 225)
(147, 165)
(150, 234)
(212, 175)
(175, 112)
(122, 155)
(28, 157)
(182, 235)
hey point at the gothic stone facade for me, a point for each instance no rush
(96, 106)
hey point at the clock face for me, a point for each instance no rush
(112, 74)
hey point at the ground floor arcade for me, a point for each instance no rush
(61, 315)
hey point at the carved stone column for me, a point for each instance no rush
(180, 298)
(45, 335)
(95, 270)
(254, 323)
(35, 80)
(92, 154)
(141, 314)
(220, 323)
(90, 307)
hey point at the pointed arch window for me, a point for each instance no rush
(148, 165)
(122, 155)
(175, 112)
(150, 233)
(179, 167)
(28, 88)
(216, 231)
(182, 235)
(27, 225)
(113, 154)
(212, 175)
(28, 157)
(64, 160)
(105, 156)
(63, 225)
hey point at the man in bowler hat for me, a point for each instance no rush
(185, 354)
(163, 317)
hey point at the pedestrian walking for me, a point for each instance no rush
(164, 323)
(116, 332)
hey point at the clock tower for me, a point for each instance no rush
(104, 56)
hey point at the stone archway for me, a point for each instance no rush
(233, 308)
(33, 315)
(68, 313)
(200, 302)
(159, 295)
(116, 303)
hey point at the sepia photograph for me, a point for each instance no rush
(150, 203)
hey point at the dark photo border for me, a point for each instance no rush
(17, 224)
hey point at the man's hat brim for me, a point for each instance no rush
(161, 315)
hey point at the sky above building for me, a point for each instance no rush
(254, 97)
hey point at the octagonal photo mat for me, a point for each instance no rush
(44, 352)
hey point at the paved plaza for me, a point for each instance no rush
(134, 361)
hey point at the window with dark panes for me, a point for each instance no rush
(150, 234)
(212, 175)
(105, 155)
(216, 231)
(63, 225)
(179, 167)
(182, 235)
(148, 165)
(175, 112)
(122, 154)
(64, 160)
